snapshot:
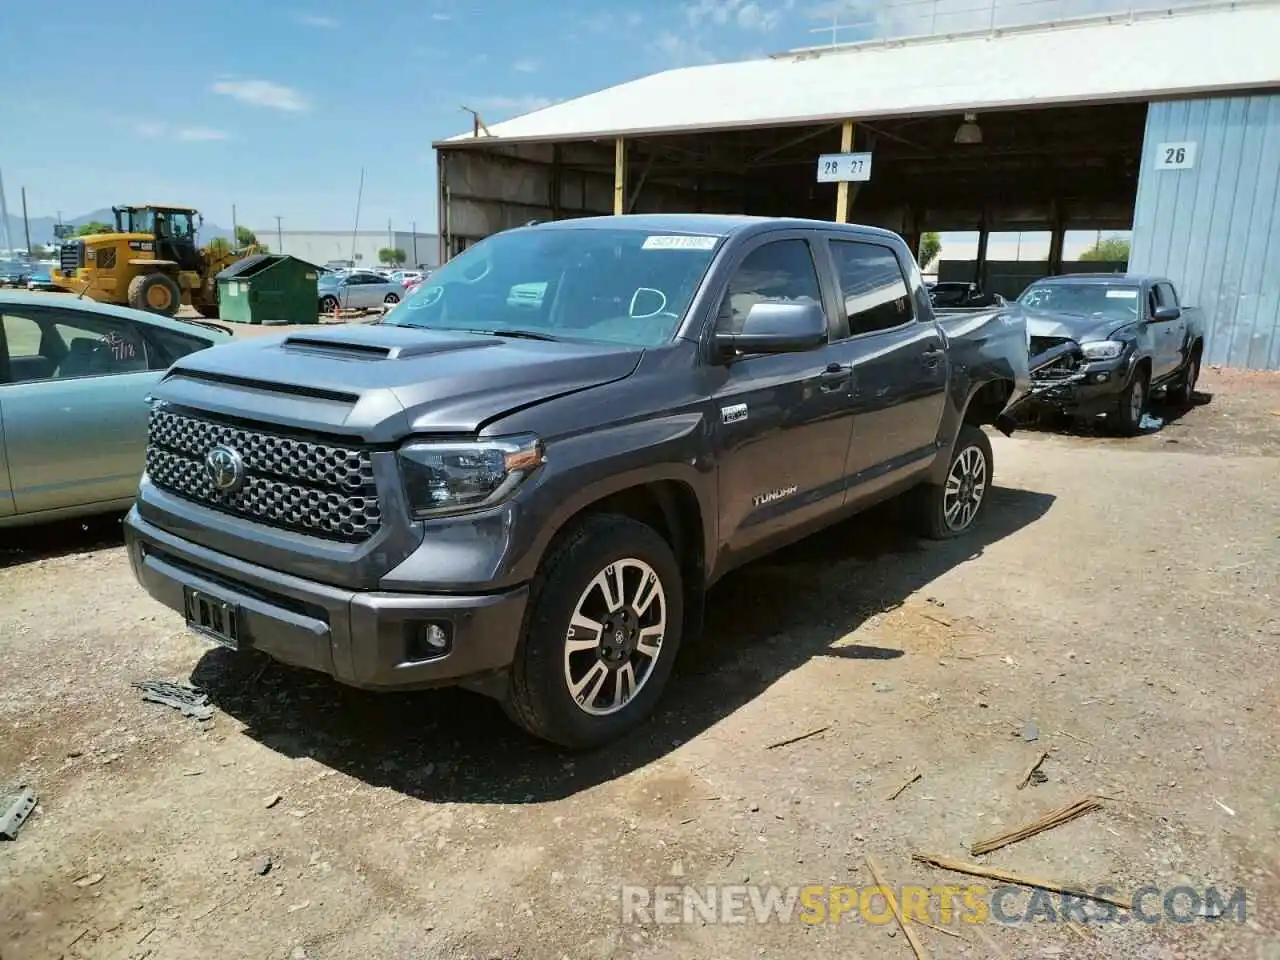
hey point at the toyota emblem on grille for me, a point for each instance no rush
(225, 469)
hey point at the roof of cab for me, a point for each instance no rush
(706, 224)
(1101, 278)
(13, 298)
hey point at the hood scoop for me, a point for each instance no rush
(357, 350)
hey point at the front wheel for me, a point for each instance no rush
(601, 636)
(155, 293)
(391, 299)
(1132, 403)
(952, 508)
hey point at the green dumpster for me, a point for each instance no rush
(268, 288)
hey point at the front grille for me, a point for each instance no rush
(1040, 344)
(71, 257)
(311, 487)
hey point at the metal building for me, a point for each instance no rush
(362, 246)
(1163, 122)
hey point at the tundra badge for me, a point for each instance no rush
(762, 499)
(733, 414)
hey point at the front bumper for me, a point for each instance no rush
(1092, 389)
(362, 638)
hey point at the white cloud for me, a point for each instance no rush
(526, 66)
(682, 50)
(508, 106)
(150, 130)
(201, 134)
(317, 20)
(441, 17)
(750, 15)
(262, 93)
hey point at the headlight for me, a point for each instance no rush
(1102, 350)
(441, 477)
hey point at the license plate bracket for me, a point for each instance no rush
(212, 617)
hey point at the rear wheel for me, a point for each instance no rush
(948, 510)
(155, 293)
(328, 303)
(1184, 394)
(601, 636)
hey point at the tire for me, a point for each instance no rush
(940, 510)
(328, 303)
(155, 293)
(1132, 404)
(1184, 394)
(540, 698)
(391, 299)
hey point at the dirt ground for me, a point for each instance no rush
(1121, 596)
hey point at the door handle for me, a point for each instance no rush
(835, 376)
(932, 357)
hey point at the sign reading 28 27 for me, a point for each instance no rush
(846, 167)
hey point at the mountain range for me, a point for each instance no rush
(42, 228)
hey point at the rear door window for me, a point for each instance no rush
(872, 286)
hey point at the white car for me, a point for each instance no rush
(357, 290)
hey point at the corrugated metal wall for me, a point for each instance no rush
(1215, 229)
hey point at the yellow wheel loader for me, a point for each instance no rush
(150, 261)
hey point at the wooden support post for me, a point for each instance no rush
(619, 176)
(842, 188)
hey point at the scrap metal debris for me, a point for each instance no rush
(190, 701)
(1054, 818)
(14, 813)
(89, 880)
(887, 892)
(991, 873)
(803, 736)
(1033, 770)
(1031, 732)
(897, 793)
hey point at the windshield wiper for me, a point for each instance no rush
(514, 334)
(520, 334)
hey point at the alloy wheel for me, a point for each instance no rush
(615, 637)
(965, 489)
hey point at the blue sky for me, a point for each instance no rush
(275, 106)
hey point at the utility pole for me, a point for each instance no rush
(413, 229)
(279, 236)
(235, 228)
(26, 226)
(4, 220)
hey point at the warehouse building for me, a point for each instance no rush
(1164, 123)
(360, 246)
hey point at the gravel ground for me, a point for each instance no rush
(1121, 596)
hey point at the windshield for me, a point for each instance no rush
(613, 286)
(1114, 302)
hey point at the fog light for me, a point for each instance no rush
(430, 640)
(1101, 377)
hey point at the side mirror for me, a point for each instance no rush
(1164, 314)
(776, 328)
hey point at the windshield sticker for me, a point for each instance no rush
(1122, 294)
(680, 243)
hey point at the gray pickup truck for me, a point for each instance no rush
(1102, 343)
(525, 478)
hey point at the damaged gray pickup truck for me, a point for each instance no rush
(525, 478)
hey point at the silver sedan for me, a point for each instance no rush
(357, 289)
